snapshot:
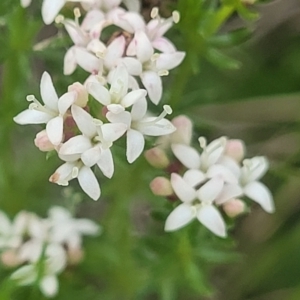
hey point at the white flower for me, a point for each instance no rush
(252, 170)
(199, 202)
(76, 169)
(53, 262)
(51, 113)
(154, 65)
(64, 229)
(139, 125)
(155, 30)
(117, 97)
(12, 232)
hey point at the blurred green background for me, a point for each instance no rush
(258, 102)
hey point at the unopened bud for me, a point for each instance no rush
(82, 94)
(10, 258)
(157, 158)
(235, 149)
(42, 141)
(161, 186)
(75, 256)
(234, 207)
(183, 134)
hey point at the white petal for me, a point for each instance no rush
(228, 192)
(61, 173)
(193, 177)
(139, 109)
(70, 63)
(135, 145)
(50, 9)
(153, 84)
(180, 216)
(224, 172)
(99, 92)
(133, 66)
(188, 156)
(132, 5)
(119, 82)
(133, 96)
(49, 285)
(231, 164)
(87, 227)
(32, 116)
(89, 183)
(211, 218)
(76, 145)
(48, 92)
(114, 51)
(123, 117)
(112, 132)
(54, 130)
(65, 102)
(87, 61)
(259, 167)
(84, 121)
(106, 163)
(168, 61)
(210, 190)
(144, 49)
(182, 189)
(259, 193)
(162, 127)
(115, 108)
(91, 19)
(5, 225)
(163, 45)
(25, 275)
(91, 156)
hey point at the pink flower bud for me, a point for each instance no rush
(75, 256)
(82, 94)
(157, 158)
(183, 134)
(161, 186)
(42, 141)
(235, 149)
(234, 207)
(10, 258)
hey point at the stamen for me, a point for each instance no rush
(30, 98)
(202, 142)
(59, 19)
(154, 12)
(75, 172)
(101, 54)
(168, 109)
(77, 13)
(176, 16)
(163, 73)
(33, 106)
(154, 57)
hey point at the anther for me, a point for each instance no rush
(163, 73)
(154, 12)
(176, 16)
(30, 98)
(59, 19)
(202, 142)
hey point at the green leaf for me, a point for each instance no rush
(221, 60)
(230, 39)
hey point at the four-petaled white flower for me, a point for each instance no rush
(51, 113)
(139, 125)
(199, 199)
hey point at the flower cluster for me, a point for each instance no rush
(207, 181)
(136, 54)
(42, 248)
